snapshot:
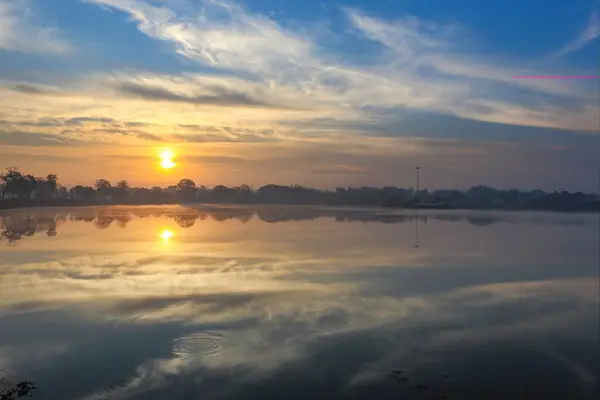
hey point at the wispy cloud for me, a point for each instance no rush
(421, 64)
(589, 34)
(222, 35)
(49, 131)
(22, 138)
(220, 134)
(35, 88)
(20, 31)
(216, 96)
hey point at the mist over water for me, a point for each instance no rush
(300, 302)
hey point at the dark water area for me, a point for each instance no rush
(248, 303)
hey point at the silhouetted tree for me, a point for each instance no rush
(10, 177)
(186, 188)
(28, 185)
(122, 185)
(222, 194)
(156, 195)
(61, 192)
(103, 188)
(51, 182)
(121, 191)
(17, 184)
(83, 193)
(141, 195)
(244, 194)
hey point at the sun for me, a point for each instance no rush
(166, 159)
(166, 235)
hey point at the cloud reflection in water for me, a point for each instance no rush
(273, 302)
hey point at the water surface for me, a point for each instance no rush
(299, 303)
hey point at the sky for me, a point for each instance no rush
(317, 93)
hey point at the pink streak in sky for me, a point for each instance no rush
(556, 77)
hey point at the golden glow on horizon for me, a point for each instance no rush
(166, 235)
(166, 159)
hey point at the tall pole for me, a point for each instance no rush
(417, 169)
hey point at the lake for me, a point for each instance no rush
(299, 303)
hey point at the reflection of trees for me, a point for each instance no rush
(482, 220)
(10, 389)
(10, 236)
(21, 389)
(243, 218)
(123, 220)
(15, 227)
(103, 222)
(185, 221)
(223, 215)
(279, 214)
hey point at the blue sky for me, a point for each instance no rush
(322, 93)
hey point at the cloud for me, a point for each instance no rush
(80, 127)
(223, 138)
(149, 136)
(589, 34)
(20, 32)
(136, 124)
(406, 37)
(40, 122)
(417, 65)
(35, 89)
(222, 36)
(79, 120)
(217, 134)
(65, 129)
(216, 97)
(21, 138)
(422, 124)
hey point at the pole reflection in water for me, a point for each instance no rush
(417, 231)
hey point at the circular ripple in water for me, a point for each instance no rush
(198, 344)
(102, 393)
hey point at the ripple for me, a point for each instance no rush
(102, 393)
(203, 344)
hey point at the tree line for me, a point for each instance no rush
(18, 189)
